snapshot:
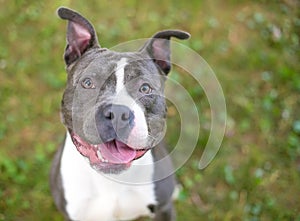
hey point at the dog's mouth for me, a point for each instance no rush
(110, 153)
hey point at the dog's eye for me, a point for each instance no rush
(145, 89)
(87, 83)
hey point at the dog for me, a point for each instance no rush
(113, 164)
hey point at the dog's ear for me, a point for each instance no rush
(81, 35)
(158, 47)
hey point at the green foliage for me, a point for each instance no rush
(253, 47)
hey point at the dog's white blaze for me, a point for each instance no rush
(120, 73)
(90, 196)
(139, 134)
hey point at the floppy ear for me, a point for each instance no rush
(81, 35)
(158, 47)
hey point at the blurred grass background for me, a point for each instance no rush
(253, 47)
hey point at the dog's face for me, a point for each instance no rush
(113, 105)
(114, 108)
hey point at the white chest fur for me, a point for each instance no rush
(91, 196)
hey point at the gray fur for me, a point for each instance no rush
(56, 185)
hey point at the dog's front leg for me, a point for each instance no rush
(165, 213)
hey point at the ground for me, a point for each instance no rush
(252, 47)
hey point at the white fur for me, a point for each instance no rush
(91, 196)
(139, 134)
(120, 75)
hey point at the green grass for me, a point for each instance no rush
(253, 47)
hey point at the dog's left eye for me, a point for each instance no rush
(87, 83)
(145, 89)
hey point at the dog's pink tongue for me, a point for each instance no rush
(117, 152)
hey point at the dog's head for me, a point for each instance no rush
(114, 105)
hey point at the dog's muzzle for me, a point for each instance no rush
(114, 124)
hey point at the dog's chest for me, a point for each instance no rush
(91, 196)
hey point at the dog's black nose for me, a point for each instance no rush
(114, 121)
(120, 115)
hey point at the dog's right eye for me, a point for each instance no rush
(145, 89)
(87, 83)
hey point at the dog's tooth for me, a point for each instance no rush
(100, 157)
